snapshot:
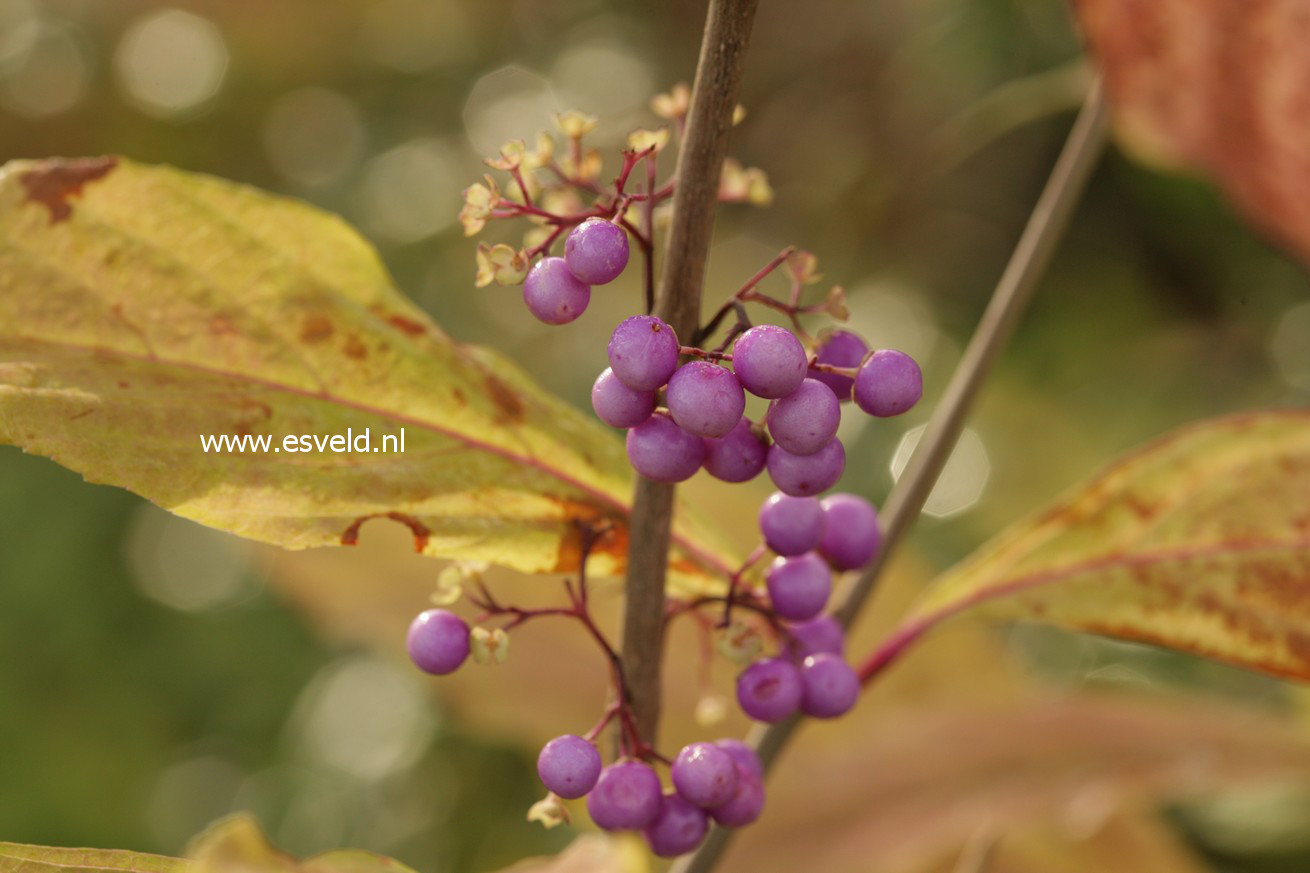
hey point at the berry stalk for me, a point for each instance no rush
(700, 161)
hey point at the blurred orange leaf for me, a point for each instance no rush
(1220, 87)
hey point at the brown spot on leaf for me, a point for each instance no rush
(404, 324)
(52, 183)
(350, 536)
(122, 383)
(610, 535)
(507, 403)
(355, 349)
(459, 396)
(220, 325)
(83, 414)
(315, 329)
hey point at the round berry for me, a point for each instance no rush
(554, 294)
(791, 525)
(705, 774)
(705, 399)
(822, 634)
(643, 352)
(626, 797)
(769, 361)
(678, 828)
(618, 405)
(806, 475)
(888, 383)
(769, 689)
(830, 686)
(746, 805)
(799, 586)
(596, 251)
(658, 449)
(569, 766)
(805, 420)
(438, 641)
(841, 348)
(851, 535)
(743, 755)
(737, 457)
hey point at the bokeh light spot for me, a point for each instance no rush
(963, 478)
(184, 565)
(363, 716)
(43, 69)
(172, 62)
(313, 136)
(411, 191)
(509, 103)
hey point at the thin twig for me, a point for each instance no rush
(1032, 254)
(700, 162)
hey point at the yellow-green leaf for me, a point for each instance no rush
(1199, 541)
(20, 858)
(143, 307)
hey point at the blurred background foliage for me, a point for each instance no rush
(155, 675)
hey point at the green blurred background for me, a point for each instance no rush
(151, 679)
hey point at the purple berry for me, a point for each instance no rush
(818, 635)
(658, 449)
(737, 457)
(438, 641)
(746, 804)
(799, 586)
(806, 475)
(554, 294)
(569, 766)
(830, 686)
(643, 352)
(769, 689)
(705, 399)
(678, 828)
(618, 405)
(841, 348)
(791, 525)
(888, 383)
(769, 361)
(626, 797)
(705, 774)
(743, 755)
(851, 535)
(805, 420)
(596, 251)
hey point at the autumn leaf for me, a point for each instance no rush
(1199, 541)
(1219, 87)
(232, 845)
(142, 308)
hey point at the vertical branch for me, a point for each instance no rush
(704, 144)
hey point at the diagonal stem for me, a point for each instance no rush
(1046, 226)
(705, 142)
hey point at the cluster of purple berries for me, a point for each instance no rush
(720, 781)
(703, 424)
(557, 290)
(811, 538)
